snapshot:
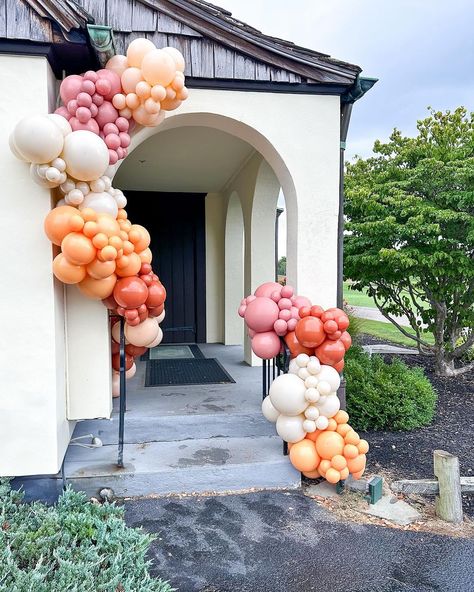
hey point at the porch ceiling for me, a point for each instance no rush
(188, 159)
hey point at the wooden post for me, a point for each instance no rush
(449, 500)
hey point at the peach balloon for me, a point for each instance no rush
(363, 446)
(100, 269)
(341, 416)
(170, 104)
(158, 67)
(130, 78)
(137, 50)
(61, 221)
(146, 256)
(67, 272)
(324, 465)
(144, 333)
(98, 289)
(356, 464)
(158, 93)
(343, 429)
(116, 333)
(352, 437)
(328, 444)
(312, 474)
(344, 473)
(351, 451)
(118, 64)
(332, 476)
(303, 456)
(115, 385)
(177, 57)
(142, 117)
(132, 268)
(78, 249)
(338, 462)
(139, 236)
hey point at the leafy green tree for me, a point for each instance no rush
(410, 233)
(282, 266)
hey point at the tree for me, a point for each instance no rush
(282, 266)
(410, 233)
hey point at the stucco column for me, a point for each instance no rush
(234, 271)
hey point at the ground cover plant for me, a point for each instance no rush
(73, 546)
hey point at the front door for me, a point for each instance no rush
(176, 222)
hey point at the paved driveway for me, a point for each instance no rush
(285, 542)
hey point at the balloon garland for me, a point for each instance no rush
(303, 403)
(71, 151)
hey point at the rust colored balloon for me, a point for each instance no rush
(156, 295)
(110, 302)
(339, 366)
(310, 332)
(295, 346)
(135, 351)
(330, 352)
(116, 361)
(130, 292)
(346, 340)
(115, 347)
(155, 312)
(67, 272)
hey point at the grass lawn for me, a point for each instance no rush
(357, 298)
(390, 332)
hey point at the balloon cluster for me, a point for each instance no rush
(270, 313)
(87, 105)
(152, 81)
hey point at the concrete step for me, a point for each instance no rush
(177, 427)
(185, 466)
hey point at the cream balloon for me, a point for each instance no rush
(330, 406)
(137, 50)
(61, 122)
(293, 368)
(324, 388)
(116, 333)
(130, 373)
(102, 203)
(160, 318)
(290, 428)
(38, 139)
(309, 426)
(269, 411)
(158, 339)
(312, 413)
(330, 375)
(312, 395)
(14, 150)
(322, 422)
(314, 365)
(40, 180)
(86, 155)
(287, 393)
(303, 373)
(143, 334)
(302, 360)
(118, 64)
(115, 385)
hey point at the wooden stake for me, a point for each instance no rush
(449, 500)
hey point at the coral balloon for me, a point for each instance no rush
(310, 332)
(330, 352)
(130, 292)
(261, 314)
(67, 272)
(266, 345)
(295, 346)
(98, 289)
(303, 456)
(156, 295)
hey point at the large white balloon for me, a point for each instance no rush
(14, 149)
(290, 428)
(269, 411)
(86, 155)
(61, 122)
(330, 406)
(293, 367)
(287, 394)
(331, 375)
(38, 139)
(102, 203)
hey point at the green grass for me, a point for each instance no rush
(390, 332)
(357, 298)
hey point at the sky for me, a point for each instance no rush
(422, 52)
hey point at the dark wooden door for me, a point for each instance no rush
(176, 222)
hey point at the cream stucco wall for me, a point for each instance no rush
(34, 431)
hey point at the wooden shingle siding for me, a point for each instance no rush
(202, 58)
(143, 18)
(22, 22)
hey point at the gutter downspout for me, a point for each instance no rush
(102, 41)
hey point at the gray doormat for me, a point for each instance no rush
(172, 352)
(185, 371)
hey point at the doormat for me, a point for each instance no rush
(172, 352)
(185, 371)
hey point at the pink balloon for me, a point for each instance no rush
(122, 124)
(103, 87)
(124, 139)
(112, 141)
(276, 296)
(287, 291)
(83, 114)
(90, 126)
(250, 298)
(292, 324)
(72, 106)
(63, 112)
(266, 345)
(261, 313)
(267, 289)
(107, 114)
(70, 87)
(97, 99)
(284, 303)
(280, 327)
(113, 157)
(295, 312)
(84, 100)
(91, 75)
(110, 128)
(114, 79)
(251, 333)
(88, 86)
(121, 152)
(242, 309)
(285, 314)
(302, 301)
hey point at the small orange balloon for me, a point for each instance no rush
(332, 476)
(312, 474)
(100, 240)
(116, 242)
(90, 229)
(324, 465)
(127, 246)
(146, 256)
(67, 272)
(356, 464)
(88, 214)
(332, 425)
(108, 225)
(133, 267)
(98, 289)
(351, 451)
(313, 435)
(122, 262)
(344, 473)
(328, 444)
(122, 214)
(357, 475)
(139, 236)
(363, 447)
(60, 222)
(352, 437)
(100, 269)
(108, 253)
(343, 429)
(78, 249)
(341, 416)
(303, 456)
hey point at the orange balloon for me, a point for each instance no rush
(324, 465)
(363, 447)
(344, 473)
(310, 332)
(100, 240)
(303, 456)
(351, 451)
(343, 429)
(341, 416)
(330, 352)
(146, 256)
(98, 289)
(90, 229)
(108, 225)
(139, 236)
(328, 444)
(332, 476)
(339, 366)
(295, 346)
(355, 465)
(88, 215)
(127, 246)
(352, 437)
(346, 340)
(133, 267)
(358, 475)
(332, 425)
(312, 474)
(60, 222)
(78, 249)
(338, 462)
(100, 269)
(67, 272)
(108, 253)
(116, 242)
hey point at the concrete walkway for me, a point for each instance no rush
(285, 542)
(373, 314)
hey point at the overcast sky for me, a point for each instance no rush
(422, 51)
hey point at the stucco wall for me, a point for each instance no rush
(34, 431)
(216, 207)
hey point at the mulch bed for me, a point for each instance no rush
(409, 455)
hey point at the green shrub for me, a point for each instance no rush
(386, 396)
(74, 546)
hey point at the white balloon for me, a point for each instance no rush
(107, 182)
(97, 186)
(14, 149)
(314, 365)
(120, 199)
(293, 368)
(74, 197)
(110, 171)
(38, 139)
(86, 155)
(40, 180)
(160, 318)
(130, 373)
(158, 339)
(53, 174)
(269, 411)
(102, 203)
(312, 412)
(67, 186)
(312, 395)
(83, 187)
(331, 375)
(302, 360)
(303, 373)
(309, 426)
(61, 122)
(330, 406)
(290, 428)
(322, 422)
(58, 163)
(61, 202)
(324, 388)
(311, 382)
(287, 393)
